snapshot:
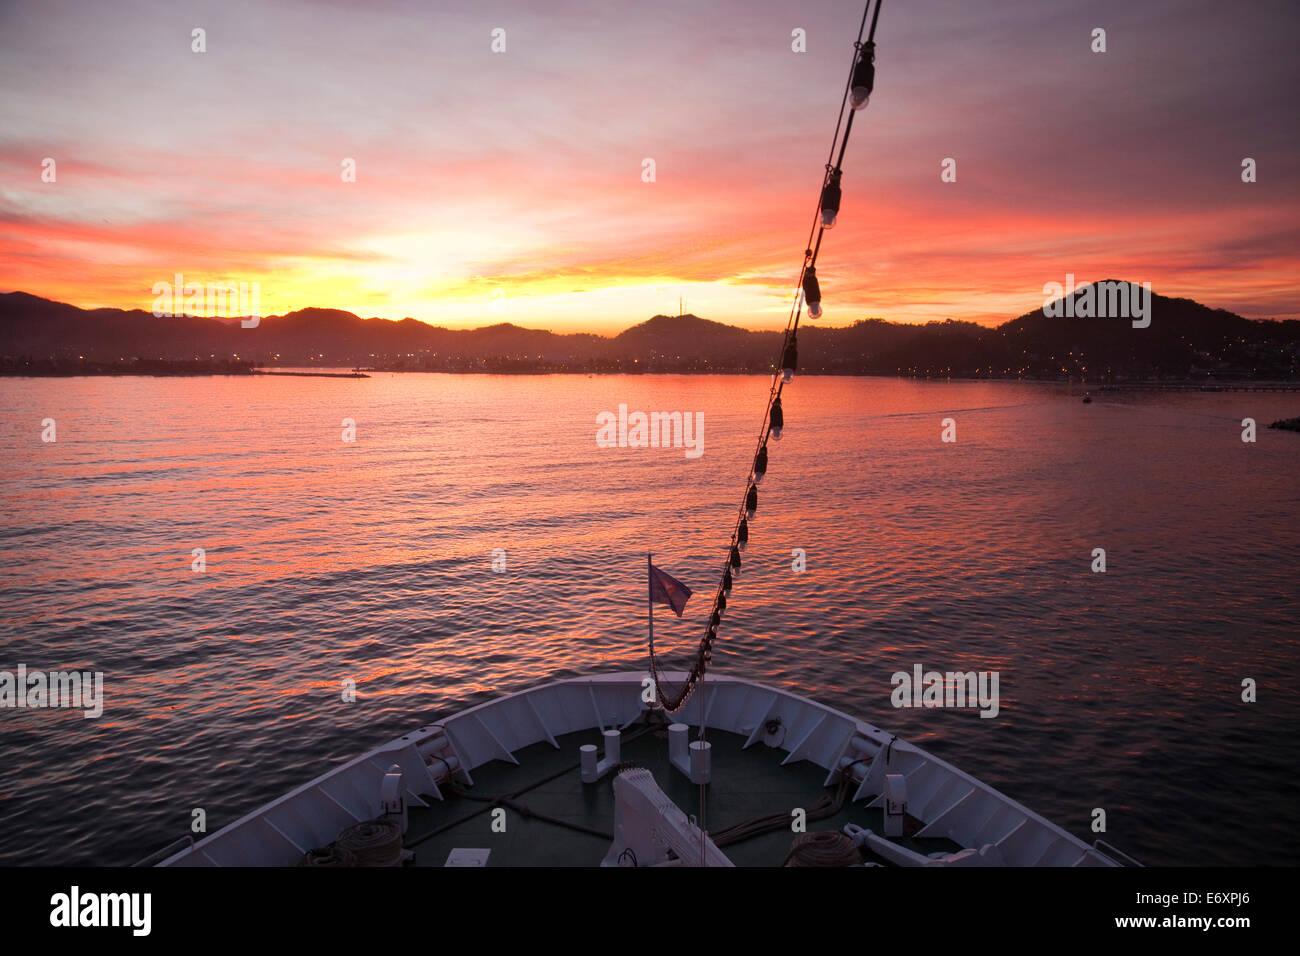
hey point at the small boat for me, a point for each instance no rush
(1087, 399)
(586, 772)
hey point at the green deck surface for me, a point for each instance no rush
(746, 784)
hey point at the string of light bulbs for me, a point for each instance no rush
(856, 94)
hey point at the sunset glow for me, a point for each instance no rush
(508, 186)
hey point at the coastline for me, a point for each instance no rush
(215, 370)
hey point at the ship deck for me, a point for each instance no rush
(746, 783)
(520, 753)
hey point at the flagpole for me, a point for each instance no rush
(650, 610)
(704, 833)
(650, 621)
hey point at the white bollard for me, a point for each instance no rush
(677, 740)
(691, 758)
(592, 768)
(588, 757)
(701, 761)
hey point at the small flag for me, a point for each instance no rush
(666, 589)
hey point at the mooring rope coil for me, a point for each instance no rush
(823, 848)
(373, 842)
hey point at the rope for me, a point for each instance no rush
(823, 848)
(529, 814)
(491, 801)
(332, 855)
(373, 842)
(825, 806)
(671, 699)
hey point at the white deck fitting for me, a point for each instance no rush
(593, 769)
(692, 758)
(654, 829)
(950, 803)
(468, 858)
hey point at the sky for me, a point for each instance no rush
(508, 186)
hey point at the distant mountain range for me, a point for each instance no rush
(1184, 339)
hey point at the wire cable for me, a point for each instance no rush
(673, 700)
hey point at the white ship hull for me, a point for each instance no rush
(941, 801)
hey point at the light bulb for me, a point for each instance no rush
(864, 77)
(830, 202)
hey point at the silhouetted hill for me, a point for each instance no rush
(690, 342)
(1184, 338)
